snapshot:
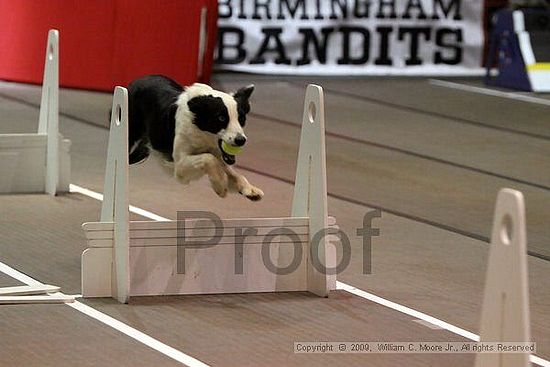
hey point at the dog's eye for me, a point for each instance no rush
(222, 118)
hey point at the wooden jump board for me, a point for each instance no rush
(198, 232)
(235, 264)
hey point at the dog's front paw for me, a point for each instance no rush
(253, 193)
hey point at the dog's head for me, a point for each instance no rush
(221, 114)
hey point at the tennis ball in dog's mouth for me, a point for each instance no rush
(231, 149)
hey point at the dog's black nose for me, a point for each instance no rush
(240, 140)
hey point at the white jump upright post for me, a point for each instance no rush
(243, 255)
(48, 122)
(310, 189)
(115, 194)
(505, 313)
(39, 162)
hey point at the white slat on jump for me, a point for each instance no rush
(193, 223)
(13, 300)
(27, 290)
(39, 162)
(145, 258)
(505, 313)
(310, 190)
(198, 242)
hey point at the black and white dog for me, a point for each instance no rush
(186, 127)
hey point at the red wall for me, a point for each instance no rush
(104, 43)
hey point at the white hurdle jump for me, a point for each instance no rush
(138, 258)
(39, 162)
(505, 313)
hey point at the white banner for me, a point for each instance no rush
(351, 37)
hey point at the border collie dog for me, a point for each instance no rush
(185, 127)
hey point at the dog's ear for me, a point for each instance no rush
(244, 93)
(243, 105)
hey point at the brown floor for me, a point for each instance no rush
(56, 335)
(433, 160)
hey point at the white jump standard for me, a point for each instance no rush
(125, 259)
(39, 162)
(505, 313)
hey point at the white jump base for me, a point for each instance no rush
(140, 258)
(40, 162)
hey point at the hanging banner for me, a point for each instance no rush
(351, 37)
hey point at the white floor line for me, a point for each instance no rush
(490, 92)
(15, 274)
(111, 322)
(138, 335)
(406, 310)
(98, 196)
(345, 287)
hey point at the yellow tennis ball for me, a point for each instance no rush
(231, 149)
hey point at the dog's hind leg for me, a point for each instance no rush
(139, 152)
